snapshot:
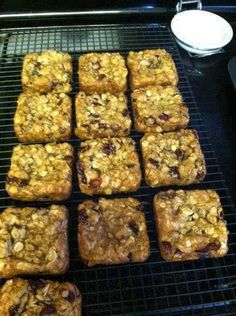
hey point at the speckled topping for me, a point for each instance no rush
(190, 224)
(107, 166)
(39, 298)
(40, 172)
(102, 72)
(47, 71)
(112, 232)
(172, 158)
(33, 241)
(102, 115)
(158, 109)
(151, 67)
(43, 117)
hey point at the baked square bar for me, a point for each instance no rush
(33, 241)
(107, 166)
(40, 172)
(151, 67)
(47, 71)
(43, 117)
(39, 298)
(102, 72)
(104, 115)
(190, 225)
(112, 232)
(158, 109)
(173, 158)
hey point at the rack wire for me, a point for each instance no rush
(202, 287)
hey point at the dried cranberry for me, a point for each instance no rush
(108, 149)
(213, 246)
(83, 217)
(125, 112)
(167, 246)
(134, 227)
(14, 310)
(154, 162)
(101, 77)
(35, 285)
(48, 310)
(95, 183)
(179, 154)
(174, 172)
(18, 181)
(164, 117)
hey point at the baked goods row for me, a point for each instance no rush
(189, 224)
(104, 166)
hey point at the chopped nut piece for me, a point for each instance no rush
(17, 297)
(189, 225)
(115, 234)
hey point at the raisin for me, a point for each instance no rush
(103, 125)
(94, 115)
(139, 207)
(70, 297)
(95, 183)
(174, 172)
(164, 117)
(200, 175)
(178, 252)
(48, 310)
(84, 148)
(154, 162)
(125, 112)
(108, 149)
(18, 181)
(68, 158)
(101, 77)
(83, 217)
(130, 256)
(95, 102)
(167, 246)
(213, 246)
(80, 168)
(134, 227)
(130, 165)
(35, 285)
(179, 154)
(14, 310)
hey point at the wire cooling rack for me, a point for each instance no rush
(155, 287)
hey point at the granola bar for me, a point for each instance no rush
(107, 166)
(40, 172)
(43, 117)
(190, 225)
(151, 67)
(173, 158)
(104, 115)
(102, 72)
(39, 298)
(158, 109)
(33, 241)
(47, 71)
(112, 232)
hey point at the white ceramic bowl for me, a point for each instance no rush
(201, 31)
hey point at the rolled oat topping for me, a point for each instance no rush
(114, 232)
(190, 224)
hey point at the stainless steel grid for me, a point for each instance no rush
(203, 287)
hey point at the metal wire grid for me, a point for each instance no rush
(202, 287)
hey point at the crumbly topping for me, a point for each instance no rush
(43, 117)
(191, 224)
(102, 115)
(112, 231)
(39, 297)
(108, 166)
(159, 109)
(33, 240)
(173, 158)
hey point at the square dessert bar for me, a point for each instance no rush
(151, 67)
(158, 109)
(173, 158)
(190, 225)
(43, 117)
(39, 297)
(47, 71)
(101, 115)
(102, 72)
(40, 172)
(112, 232)
(107, 166)
(34, 241)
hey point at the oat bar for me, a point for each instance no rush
(102, 115)
(158, 109)
(40, 172)
(39, 298)
(102, 72)
(47, 71)
(190, 224)
(107, 166)
(151, 67)
(33, 241)
(43, 117)
(112, 232)
(173, 158)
